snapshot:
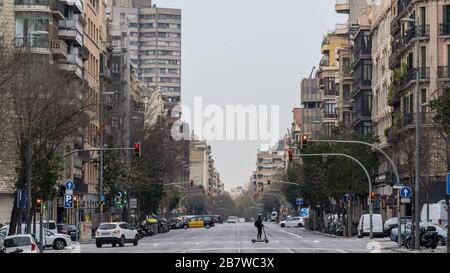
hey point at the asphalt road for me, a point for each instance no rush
(236, 238)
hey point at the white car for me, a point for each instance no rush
(293, 222)
(232, 219)
(23, 243)
(116, 233)
(56, 240)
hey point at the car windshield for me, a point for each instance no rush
(17, 241)
(107, 226)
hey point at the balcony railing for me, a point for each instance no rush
(444, 29)
(408, 120)
(324, 63)
(424, 74)
(59, 48)
(443, 72)
(32, 42)
(31, 2)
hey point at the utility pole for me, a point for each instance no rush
(417, 151)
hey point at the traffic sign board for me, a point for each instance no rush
(70, 185)
(69, 192)
(406, 192)
(68, 201)
(398, 187)
(448, 184)
(299, 201)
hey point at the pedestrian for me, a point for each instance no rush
(1, 225)
(259, 226)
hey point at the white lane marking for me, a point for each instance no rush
(298, 236)
(341, 251)
(155, 244)
(197, 243)
(290, 250)
(316, 241)
(277, 242)
(238, 229)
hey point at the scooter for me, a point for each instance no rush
(428, 238)
(261, 240)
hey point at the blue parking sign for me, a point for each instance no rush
(68, 201)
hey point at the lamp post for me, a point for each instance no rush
(417, 148)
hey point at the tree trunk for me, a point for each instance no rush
(14, 217)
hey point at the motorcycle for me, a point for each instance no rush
(428, 238)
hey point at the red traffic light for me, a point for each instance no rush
(192, 183)
(137, 150)
(304, 141)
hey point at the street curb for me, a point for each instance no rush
(326, 234)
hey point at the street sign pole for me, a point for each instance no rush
(448, 213)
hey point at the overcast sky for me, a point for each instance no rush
(249, 52)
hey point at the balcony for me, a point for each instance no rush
(76, 4)
(424, 32)
(57, 9)
(341, 29)
(424, 74)
(71, 30)
(59, 49)
(444, 29)
(395, 26)
(31, 2)
(408, 121)
(443, 72)
(34, 44)
(342, 6)
(74, 64)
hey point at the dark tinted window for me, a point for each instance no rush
(17, 241)
(107, 226)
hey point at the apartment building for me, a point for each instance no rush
(328, 68)
(270, 162)
(433, 21)
(311, 101)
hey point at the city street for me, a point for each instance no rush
(236, 238)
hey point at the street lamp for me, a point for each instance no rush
(417, 150)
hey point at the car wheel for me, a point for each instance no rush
(207, 226)
(114, 244)
(136, 239)
(408, 244)
(59, 244)
(98, 244)
(441, 241)
(185, 226)
(299, 225)
(122, 241)
(283, 225)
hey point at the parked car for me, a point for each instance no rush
(273, 216)
(293, 222)
(437, 213)
(393, 223)
(52, 239)
(232, 219)
(364, 225)
(23, 243)
(116, 233)
(70, 230)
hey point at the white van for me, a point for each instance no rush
(273, 216)
(364, 225)
(438, 213)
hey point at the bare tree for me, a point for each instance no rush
(46, 109)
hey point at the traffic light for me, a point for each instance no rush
(262, 189)
(75, 201)
(268, 181)
(291, 154)
(192, 183)
(38, 205)
(137, 150)
(304, 142)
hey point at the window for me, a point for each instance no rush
(367, 70)
(367, 102)
(367, 128)
(346, 91)
(122, 15)
(346, 119)
(115, 68)
(28, 24)
(330, 108)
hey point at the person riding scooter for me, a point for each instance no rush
(259, 226)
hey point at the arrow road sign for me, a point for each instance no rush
(299, 201)
(405, 192)
(68, 201)
(70, 185)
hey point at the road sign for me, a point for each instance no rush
(133, 203)
(102, 198)
(304, 212)
(448, 184)
(398, 187)
(299, 201)
(70, 185)
(406, 192)
(19, 198)
(69, 192)
(68, 201)
(406, 200)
